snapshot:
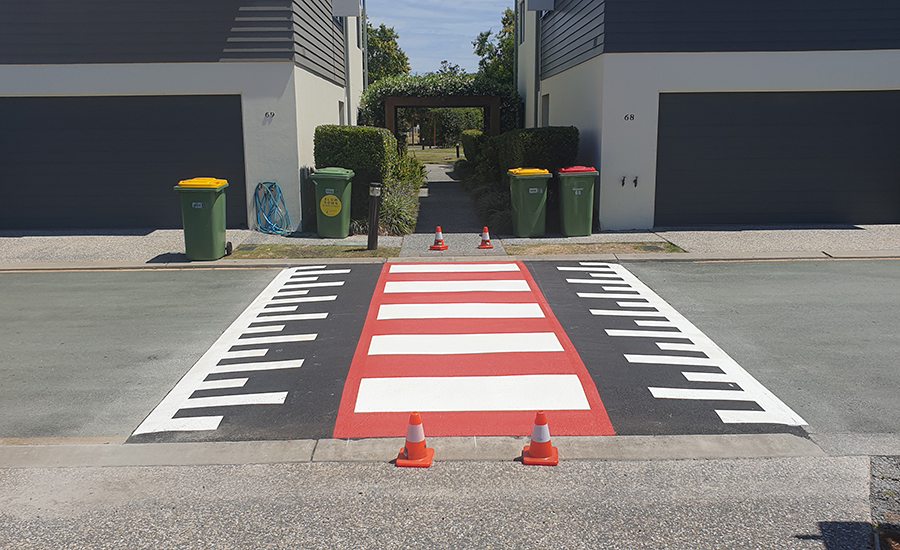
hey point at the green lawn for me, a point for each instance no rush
(434, 156)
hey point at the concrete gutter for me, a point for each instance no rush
(622, 448)
(288, 262)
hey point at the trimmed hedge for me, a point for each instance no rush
(472, 142)
(550, 148)
(373, 156)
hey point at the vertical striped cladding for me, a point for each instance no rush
(761, 25)
(172, 31)
(571, 34)
(578, 30)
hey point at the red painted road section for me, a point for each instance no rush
(351, 424)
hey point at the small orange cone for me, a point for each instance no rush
(540, 452)
(485, 239)
(414, 453)
(438, 240)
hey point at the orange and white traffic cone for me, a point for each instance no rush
(414, 453)
(540, 452)
(485, 239)
(438, 240)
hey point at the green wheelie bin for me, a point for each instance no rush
(333, 187)
(528, 192)
(576, 200)
(203, 218)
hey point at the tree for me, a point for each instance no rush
(385, 56)
(450, 124)
(451, 68)
(497, 51)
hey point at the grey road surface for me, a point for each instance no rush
(821, 335)
(89, 354)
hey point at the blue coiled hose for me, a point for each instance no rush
(271, 215)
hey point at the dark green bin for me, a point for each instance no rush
(576, 200)
(333, 186)
(528, 193)
(203, 218)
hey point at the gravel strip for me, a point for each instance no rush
(886, 492)
(788, 239)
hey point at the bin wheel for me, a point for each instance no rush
(228, 248)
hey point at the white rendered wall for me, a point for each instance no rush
(270, 143)
(317, 103)
(576, 100)
(630, 84)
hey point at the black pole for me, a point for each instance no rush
(374, 203)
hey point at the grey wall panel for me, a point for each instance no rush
(319, 39)
(261, 32)
(761, 25)
(571, 34)
(171, 31)
(103, 162)
(578, 30)
(778, 157)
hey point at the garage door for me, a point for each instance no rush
(111, 162)
(778, 158)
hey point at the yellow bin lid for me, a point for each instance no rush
(528, 171)
(202, 182)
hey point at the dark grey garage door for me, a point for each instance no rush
(111, 162)
(778, 158)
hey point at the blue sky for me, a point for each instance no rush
(434, 30)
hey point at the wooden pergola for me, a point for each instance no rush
(489, 103)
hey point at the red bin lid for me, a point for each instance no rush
(577, 169)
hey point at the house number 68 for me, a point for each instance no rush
(629, 117)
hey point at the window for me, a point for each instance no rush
(545, 110)
(341, 113)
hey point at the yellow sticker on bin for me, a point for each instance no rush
(528, 171)
(202, 182)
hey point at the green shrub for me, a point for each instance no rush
(400, 197)
(493, 207)
(473, 142)
(372, 155)
(487, 163)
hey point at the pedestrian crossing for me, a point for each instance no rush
(268, 336)
(680, 344)
(474, 347)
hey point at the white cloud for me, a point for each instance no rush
(433, 30)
